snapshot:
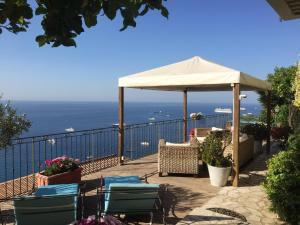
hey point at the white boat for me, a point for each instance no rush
(242, 109)
(145, 143)
(151, 118)
(117, 124)
(51, 141)
(71, 129)
(223, 110)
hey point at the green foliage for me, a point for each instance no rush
(293, 142)
(64, 20)
(282, 185)
(11, 124)
(297, 87)
(281, 115)
(213, 148)
(14, 15)
(282, 98)
(258, 130)
(249, 118)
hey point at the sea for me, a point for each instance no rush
(49, 117)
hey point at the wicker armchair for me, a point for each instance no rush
(182, 159)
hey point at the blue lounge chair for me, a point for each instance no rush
(53, 204)
(132, 198)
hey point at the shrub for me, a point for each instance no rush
(282, 185)
(60, 165)
(293, 142)
(213, 148)
(259, 131)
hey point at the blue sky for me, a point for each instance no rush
(244, 35)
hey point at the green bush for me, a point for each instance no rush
(213, 148)
(258, 130)
(293, 142)
(282, 185)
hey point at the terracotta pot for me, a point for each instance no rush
(62, 178)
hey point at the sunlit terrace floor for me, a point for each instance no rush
(184, 192)
(188, 197)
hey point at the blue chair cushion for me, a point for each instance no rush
(130, 198)
(52, 204)
(121, 179)
(58, 189)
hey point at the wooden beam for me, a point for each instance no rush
(185, 116)
(236, 128)
(121, 126)
(268, 146)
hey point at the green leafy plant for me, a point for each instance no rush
(283, 86)
(258, 130)
(12, 125)
(293, 142)
(213, 149)
(60, 165)
(282, 185)
(249, 118)
(63, 20)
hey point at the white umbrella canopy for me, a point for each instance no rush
(194, 74)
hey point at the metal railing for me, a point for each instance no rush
(96, 149)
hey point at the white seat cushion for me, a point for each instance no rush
(177, 144)
(201, 139)
(216, 129)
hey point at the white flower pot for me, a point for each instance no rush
(218, 175)
(257, 147)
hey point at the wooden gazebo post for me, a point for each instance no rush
(185, 116)
(121, 126)
(268, 146)
(236, 128)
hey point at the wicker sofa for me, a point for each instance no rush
(246, 150)
(178, 158)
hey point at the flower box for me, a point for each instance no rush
(61, 178)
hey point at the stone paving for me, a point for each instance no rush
(249, 200)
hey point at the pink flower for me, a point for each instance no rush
(60, 164)
(48, 162)
(77, 161)
(64, 157)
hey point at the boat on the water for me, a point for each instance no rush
(51, 141)
(117, 124)
(243, 109)
(223, 110)
(145, 143)
(71, 129)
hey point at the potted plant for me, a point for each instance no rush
(259, 133)
(61, 170)
(219, 166)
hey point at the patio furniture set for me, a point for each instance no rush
(185, 158)
(62, 204)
